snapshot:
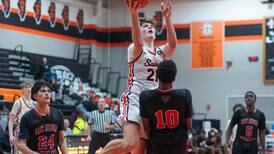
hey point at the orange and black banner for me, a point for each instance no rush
(207, 45)
(17, 18)
(268, 48)
(243, 30)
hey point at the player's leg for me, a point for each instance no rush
(253, 148)
(125, 145)
(178, 148)
(15, 146)
(130, 120)
(238, 148)
(141, 147)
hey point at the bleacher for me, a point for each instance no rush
(18, 66)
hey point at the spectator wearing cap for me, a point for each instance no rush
(102, 123)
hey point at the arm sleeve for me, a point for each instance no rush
(189, 107)
(24, 128)
(143, 112)
(235, 118)
(61, 121)
(262, 122)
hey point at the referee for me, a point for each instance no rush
(102, 122)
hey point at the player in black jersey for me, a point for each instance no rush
(41, 129)
(166, 113)
(249, 120)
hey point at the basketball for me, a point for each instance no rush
(142, 3)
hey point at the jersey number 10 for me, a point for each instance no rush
(169, 118)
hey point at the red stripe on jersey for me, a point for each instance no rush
(130, 76)
(137, 57)
(152, 52)
(125, 105)
(125, 95)
(40, 114)
(161, 91)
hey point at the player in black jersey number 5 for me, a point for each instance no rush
(42, 128)
(166, 113)
(249, 121)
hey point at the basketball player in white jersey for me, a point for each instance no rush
(143, 60)
(19, 108)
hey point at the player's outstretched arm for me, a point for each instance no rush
(23, 147)
(62, 142)
(170, 47)
(136, 34)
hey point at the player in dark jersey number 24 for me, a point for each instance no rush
(166, 113)
(41, 129)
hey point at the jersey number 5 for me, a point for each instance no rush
(169, 119)
(152, 75)
(248, 131)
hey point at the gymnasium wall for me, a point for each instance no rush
(42, 37)
(213, 86)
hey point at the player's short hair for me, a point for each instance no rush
(25, 84)
(250, 94)
(38, 85)
(167, 71)
(146, 20)
(237, 106)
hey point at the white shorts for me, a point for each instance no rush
(129, 108)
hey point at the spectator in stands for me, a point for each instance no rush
(3, 124)
(102, 123)
(19, 108)
(72, 118)
(43, 70)
(191, 143)
(212, 143)
(86, 104)
(67, 130)
(4, 142)
(80, 125)
(92, 102)
(201, 142)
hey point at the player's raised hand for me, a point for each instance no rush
(133, 6)
(166, 9)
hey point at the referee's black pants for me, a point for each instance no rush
(98, 140)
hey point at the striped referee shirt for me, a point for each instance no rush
(98, 120)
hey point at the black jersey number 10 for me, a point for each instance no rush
(169, 118)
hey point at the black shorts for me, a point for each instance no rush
(240, 147)
(178, 148)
